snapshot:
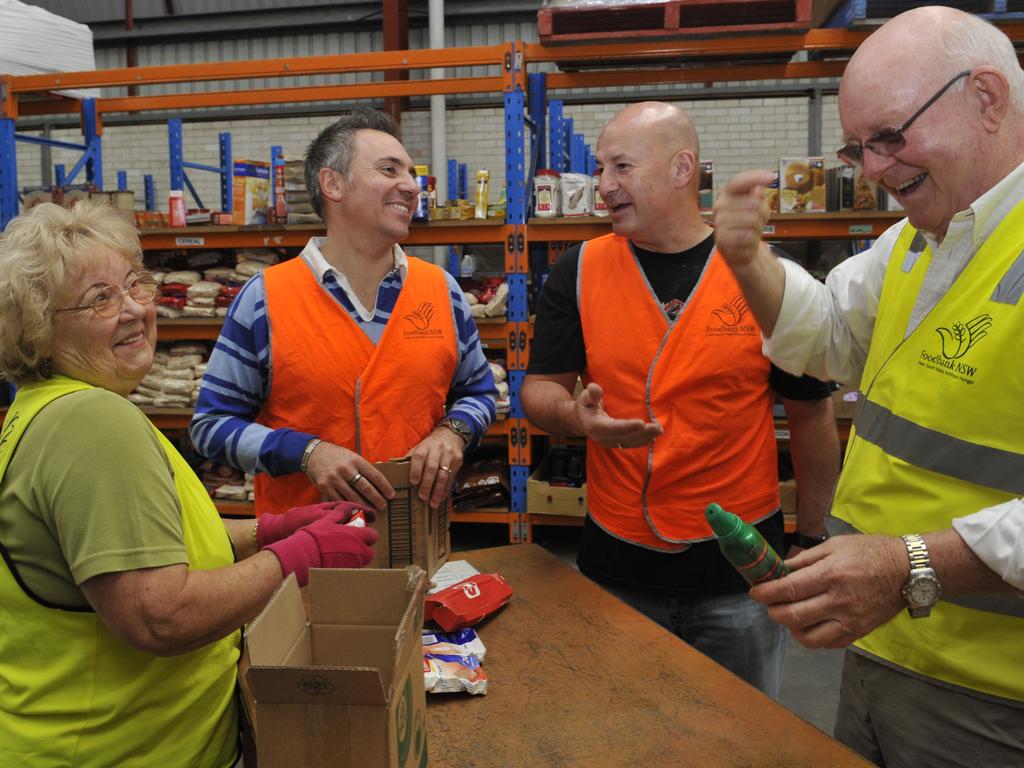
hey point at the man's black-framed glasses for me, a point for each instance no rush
(890, 141)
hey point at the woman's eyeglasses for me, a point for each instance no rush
(110, 299)
(890, 141)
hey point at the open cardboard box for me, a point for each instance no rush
(343, 686)
(410, 532)
(545, 499)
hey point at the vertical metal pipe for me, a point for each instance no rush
(438, 127)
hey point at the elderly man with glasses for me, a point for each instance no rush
(929, 323)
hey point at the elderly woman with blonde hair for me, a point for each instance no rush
(121, 590)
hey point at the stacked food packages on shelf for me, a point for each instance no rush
(174, 379)
(291, 204)
(208, 283)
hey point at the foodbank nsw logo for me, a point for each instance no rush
(420, 319)
(957, 340)
(731, 319)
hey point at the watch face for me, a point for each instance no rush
(923, 591)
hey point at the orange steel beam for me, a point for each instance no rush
(737, 45)
(240, 70)
(780, 71)
(173, 101)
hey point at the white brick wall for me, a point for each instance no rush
(736, 134)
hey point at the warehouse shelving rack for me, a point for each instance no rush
(621, 64)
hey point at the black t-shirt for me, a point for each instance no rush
(558, 347)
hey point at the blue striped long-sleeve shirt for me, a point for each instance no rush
(239, 375)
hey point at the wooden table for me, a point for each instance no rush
(577, 679)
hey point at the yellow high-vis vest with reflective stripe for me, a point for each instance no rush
(73, 695)
(939, 435)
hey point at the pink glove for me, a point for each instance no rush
(271, 528)
(327, 543)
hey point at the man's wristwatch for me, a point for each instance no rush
(922, 589)
(804, 541)
(459, 427)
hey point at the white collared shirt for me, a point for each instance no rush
(825, 330)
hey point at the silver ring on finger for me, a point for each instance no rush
(356, 478)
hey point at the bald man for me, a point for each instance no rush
(677, 405)
(929, 322)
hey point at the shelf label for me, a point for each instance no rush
(769, 229)
(860, 229)
(782, 434)
(185, 242)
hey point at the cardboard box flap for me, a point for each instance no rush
(366, 596)
(353, 686)
(272, 635)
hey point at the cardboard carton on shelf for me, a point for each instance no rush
(543, 498)
(251, 193)
(802, 185)
(339, 685)
(410, 532)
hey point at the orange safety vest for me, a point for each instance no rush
(702, 377)
(330, 380)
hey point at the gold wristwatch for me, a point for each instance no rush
(922, 588)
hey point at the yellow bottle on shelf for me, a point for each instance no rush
(482, 178)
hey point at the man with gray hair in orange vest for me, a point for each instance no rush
(677, 401)
(929, 323)
(349, 353)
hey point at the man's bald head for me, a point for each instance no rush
(956, 80)
(928, 42)
(659, 122)
(648, 160)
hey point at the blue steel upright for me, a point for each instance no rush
(556, 126)
(8, 172)
(93, 156)
(515, 159)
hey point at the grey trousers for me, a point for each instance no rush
(900, 721)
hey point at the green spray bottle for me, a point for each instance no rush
(744, 547)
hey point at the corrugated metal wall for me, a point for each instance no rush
(320, 43)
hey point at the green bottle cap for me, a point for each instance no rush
(723, 524)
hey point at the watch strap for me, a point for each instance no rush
(804, 541)
(460, 428)
(917, 550)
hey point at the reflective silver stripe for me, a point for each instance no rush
(926, 448)
(359, 431)
(917, 246)
(579, 278)
(1011, 286)
(1005, 604)
(838, 527)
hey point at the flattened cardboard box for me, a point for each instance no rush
(343, 687)
(410, 532)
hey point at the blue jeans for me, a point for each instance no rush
(729, 628)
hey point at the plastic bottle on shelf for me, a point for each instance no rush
(546, 188)
(744, 546)
(482, 180)
(176, 208)
(468, 265)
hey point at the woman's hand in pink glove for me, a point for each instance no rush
(271, 528)
(327, 543)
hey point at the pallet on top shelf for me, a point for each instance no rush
(672, 18)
